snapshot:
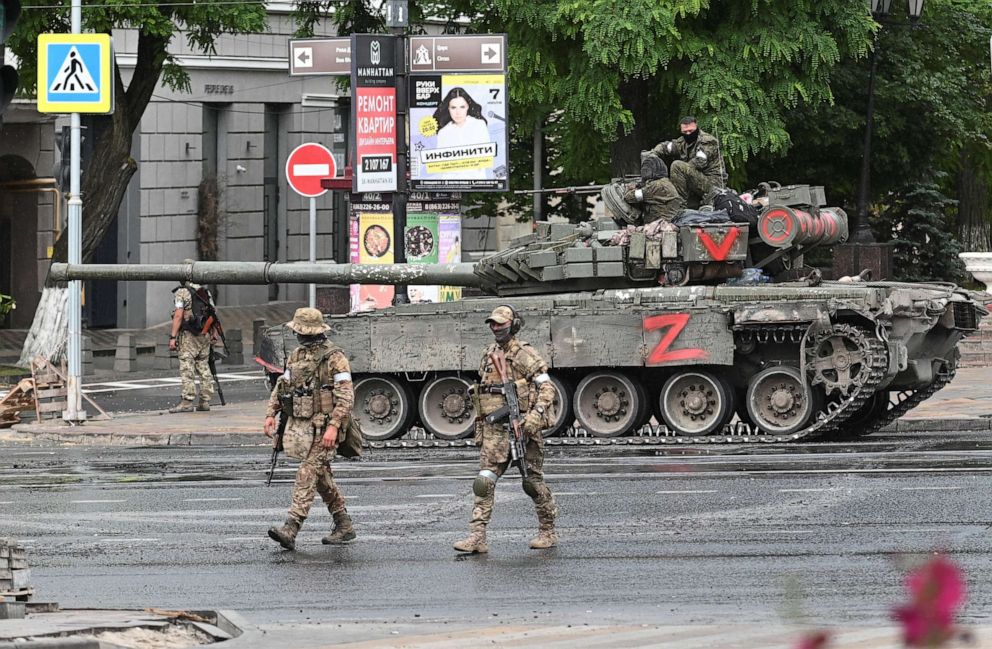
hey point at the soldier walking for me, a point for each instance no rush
(698, 172)
(536, 394)
(193, 345)
(657, 197)
(317, 394)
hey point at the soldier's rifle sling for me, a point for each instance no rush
(513, 406)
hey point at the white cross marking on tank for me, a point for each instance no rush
(574, 340)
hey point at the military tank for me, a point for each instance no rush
(712, 327)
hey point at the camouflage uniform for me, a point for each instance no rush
(658, 200)
(698, 172)
(194, 351)
(310, 370)
(536, 395)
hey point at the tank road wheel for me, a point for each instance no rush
(384, 406)
(446, 409)
(779, 401)
(561, 412)
(607, 404)
(695, 403)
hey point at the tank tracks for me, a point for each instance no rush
(824, 423)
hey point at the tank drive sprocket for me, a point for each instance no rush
(838, 358)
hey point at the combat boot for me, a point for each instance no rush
(343, 531)
(203, 406)
(474, 543)
(185, 405)
(546, 538)
(286, 535)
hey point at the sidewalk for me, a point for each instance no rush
(964, 405)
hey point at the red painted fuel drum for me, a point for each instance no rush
(781, 227)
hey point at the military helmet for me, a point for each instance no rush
(308, 322)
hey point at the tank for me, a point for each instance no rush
(715, 330)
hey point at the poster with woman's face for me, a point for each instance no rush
(458, 137)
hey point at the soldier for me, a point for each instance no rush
(698, 171)
(317, 388)
(655, 194)
(193, 344)
(528, 369)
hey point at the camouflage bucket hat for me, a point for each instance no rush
(500, 315)
(308, 322)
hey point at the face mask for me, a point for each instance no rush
(308, 340)
(690, 138)
(502, 335)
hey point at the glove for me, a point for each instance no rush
(533, 423)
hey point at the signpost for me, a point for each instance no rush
(319, 56)
(306, 166)
(75, 76)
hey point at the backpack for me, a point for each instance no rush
(736, 208)
(204, 313)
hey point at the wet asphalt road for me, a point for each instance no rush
(691, 536)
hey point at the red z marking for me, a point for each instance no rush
(718, 253)
(675, 322)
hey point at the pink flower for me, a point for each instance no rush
(814, 640)
(936, 591)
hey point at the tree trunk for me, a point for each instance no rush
(105, 182)
(625, 151)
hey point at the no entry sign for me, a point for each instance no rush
(306, 166)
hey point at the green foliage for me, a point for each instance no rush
(199, 23)
(916, 221)
(933, 112)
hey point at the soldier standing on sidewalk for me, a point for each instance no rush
(536, 394)
(317, 388)
(193, 345)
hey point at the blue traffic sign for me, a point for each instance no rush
(74, 73)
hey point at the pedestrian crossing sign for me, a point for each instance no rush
(75, 73)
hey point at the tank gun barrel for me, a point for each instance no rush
(579, 189)
(260, 272)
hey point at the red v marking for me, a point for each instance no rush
(718, 253)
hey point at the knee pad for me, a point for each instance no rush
(484, 483)
(530, 488)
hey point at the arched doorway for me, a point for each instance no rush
(21, 196)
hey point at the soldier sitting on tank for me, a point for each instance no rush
(655, 194)
(698, 172)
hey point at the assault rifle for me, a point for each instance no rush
(578, 189)
(510, 411)
(210, 325)
(284, 404)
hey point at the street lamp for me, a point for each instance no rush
(879, 11)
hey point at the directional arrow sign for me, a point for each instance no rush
(306, 166)
(319, 56)
(461, 53)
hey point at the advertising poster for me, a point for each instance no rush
(450, 251)
(458, 138)
(374, 112)
(375, 243)
(354, 258)
(421, 241)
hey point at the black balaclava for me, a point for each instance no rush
(308, 340)
(690, 138)
(503, 335)
(653, 168)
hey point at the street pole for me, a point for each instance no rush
(538, 172)
(862, 233)
(313, 247)
(399, 196)
(74, 411)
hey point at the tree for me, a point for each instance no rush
(933, 124)
(111, 167)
